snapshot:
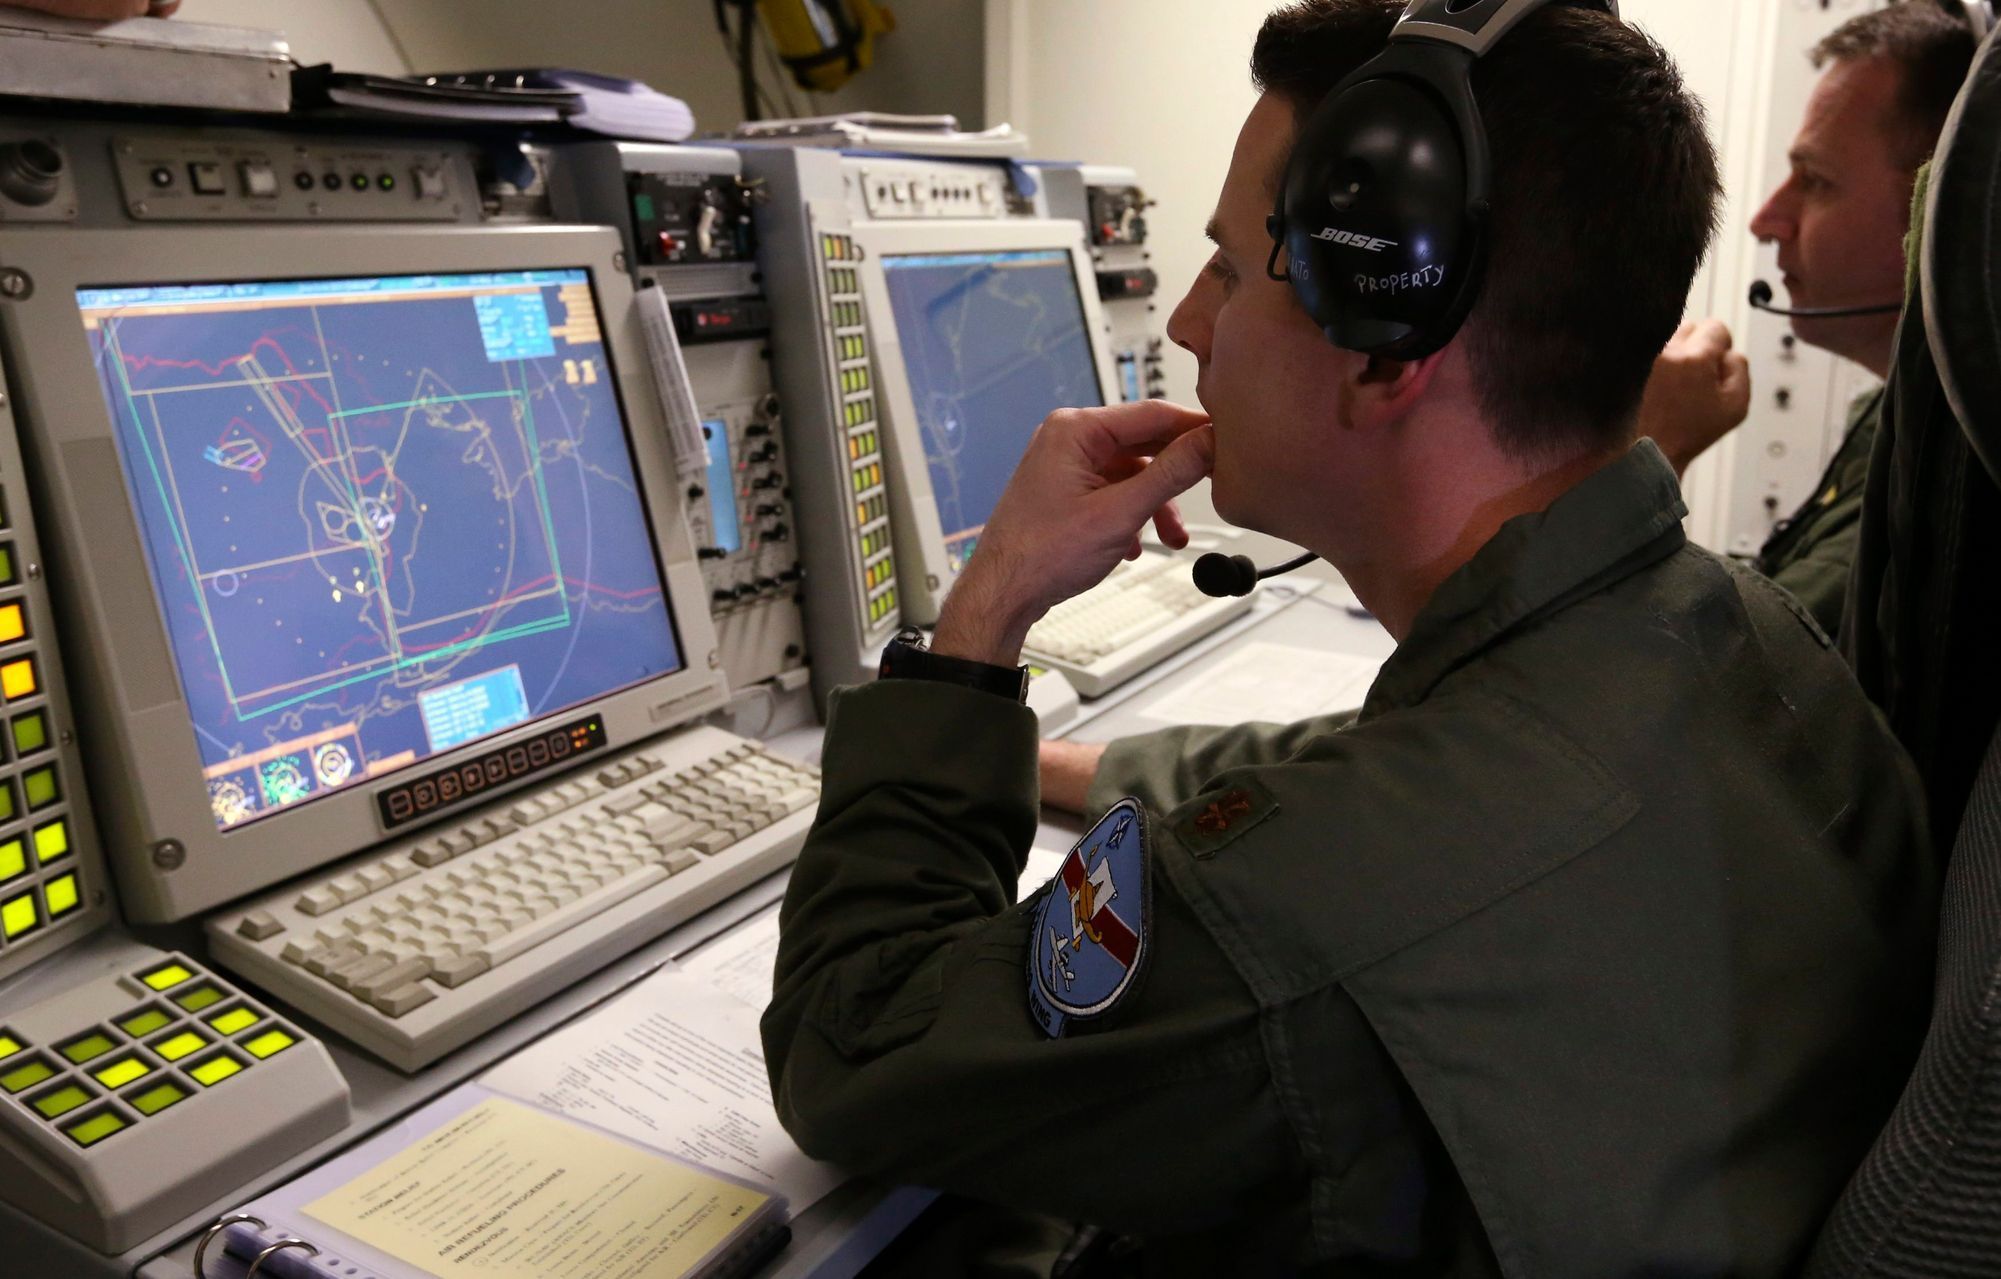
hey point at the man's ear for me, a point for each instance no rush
(1383, 391)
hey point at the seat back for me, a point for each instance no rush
(1927, 1199)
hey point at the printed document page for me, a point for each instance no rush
(1262, 681)
(675, 1063)
(506, 1192)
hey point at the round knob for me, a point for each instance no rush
(30, 172)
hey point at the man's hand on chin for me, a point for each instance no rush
(1087, 486)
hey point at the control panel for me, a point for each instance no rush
(688, 212)
(1113, 206)
(125, 1097)
(680, 217)
(52, 883)
(894, 189)
(741, 519)
(179, 179)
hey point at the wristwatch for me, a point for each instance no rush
(907, 658)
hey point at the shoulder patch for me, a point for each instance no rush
(1092, 929)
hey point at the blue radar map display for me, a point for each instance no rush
(993, 343)
(384, 517)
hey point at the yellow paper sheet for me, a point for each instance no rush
(504, 1191)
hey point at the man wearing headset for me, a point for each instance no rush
(1597, 945)
(1888, 81)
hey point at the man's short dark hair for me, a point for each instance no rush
(1932, 48)
(1605, 199)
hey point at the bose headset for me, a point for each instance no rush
(1383, 211)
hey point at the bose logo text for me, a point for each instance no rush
(1349, 238)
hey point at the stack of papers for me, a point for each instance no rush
(879, 131)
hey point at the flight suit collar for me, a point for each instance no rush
(1622, 518)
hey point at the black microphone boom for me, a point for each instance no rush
(1223, 575)
(1761, 299)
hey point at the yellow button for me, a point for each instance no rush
(171, 975)
(154, 1100)
(61, 1101)
(8, 1047)
(96, 1128)
(89, 1048)
(24, 1077)
(60, 896)
(13, 859)
(121, 1073)
(199, 998)
(232, 1021)
(215, 1070)
(51, 841)
(12, 624)
(269, 1044)
(17, 679)
(40, 787)
(145, 1023)
(18, 916)
(180, 1045)
(31, 733)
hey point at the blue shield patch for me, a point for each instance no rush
(1092, 928)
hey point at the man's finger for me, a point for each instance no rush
(1736, 375)
(1170, 527)
(1180, 466)
(1122, 428)
(1713, 334)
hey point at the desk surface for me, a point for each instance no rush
(838, 1235)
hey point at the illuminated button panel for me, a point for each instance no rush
(855, 395)
(143, 1087)
(177, 1031)
(51, 879)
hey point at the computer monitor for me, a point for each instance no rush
(984, 329)
(360, 529)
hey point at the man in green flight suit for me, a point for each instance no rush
(1888, 80)
(1597, 945)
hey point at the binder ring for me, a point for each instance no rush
(280, 1246)
(201, 1249)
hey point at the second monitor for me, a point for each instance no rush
(984, 344)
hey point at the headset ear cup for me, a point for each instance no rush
(1380, 242)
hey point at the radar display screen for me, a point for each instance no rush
(993, 343)
(383, 517)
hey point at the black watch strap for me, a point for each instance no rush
(906, 658)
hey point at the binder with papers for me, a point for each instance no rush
(525, 1191)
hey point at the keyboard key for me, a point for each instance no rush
(259, 925)
(435, 853)
(555, 921)
(459, 970)
(403, 1000)
(317, 901)
(392, 976)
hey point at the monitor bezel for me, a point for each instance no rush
(146, 772)
(923, 567)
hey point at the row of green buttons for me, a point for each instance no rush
(138, 1064)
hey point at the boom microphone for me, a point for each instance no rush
(1223, 575)
(1761, 299)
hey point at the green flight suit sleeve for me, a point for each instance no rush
(1818, 578)
(899, 1038)
(1164, 769)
